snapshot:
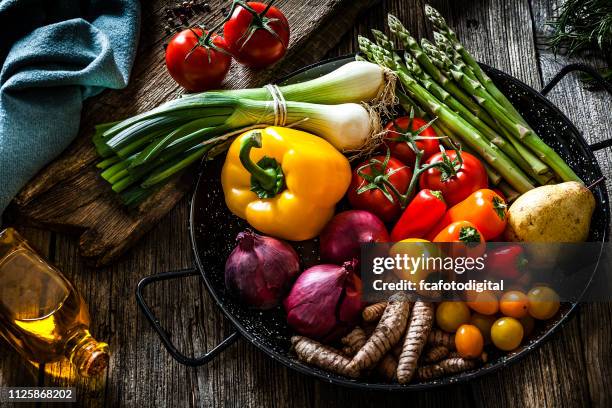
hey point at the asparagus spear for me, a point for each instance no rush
(409, 43)
(463, 129)
(522, 131)
(536, 167)
(432, 86)
(440, 23)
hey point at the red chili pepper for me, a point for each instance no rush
(421, 215)
(508, 261)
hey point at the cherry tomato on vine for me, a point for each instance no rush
(462, 176)
(257, 35)
(403, 129)
(375, 185)
(197, 62)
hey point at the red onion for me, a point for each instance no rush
(260, 270)
(325, 301)
(342, 237)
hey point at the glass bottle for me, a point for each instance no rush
(41, 314)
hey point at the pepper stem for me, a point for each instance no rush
(267, 178)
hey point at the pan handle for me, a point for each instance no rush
(164, 335)
(600, 80)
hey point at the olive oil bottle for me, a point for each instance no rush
(41, 314)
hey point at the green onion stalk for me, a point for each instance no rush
(142, 152)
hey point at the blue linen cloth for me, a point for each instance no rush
(55, 54)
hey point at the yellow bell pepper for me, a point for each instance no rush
(284, 182)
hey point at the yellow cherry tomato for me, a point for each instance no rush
(528, 324)
(484, 323)
(451, 315)
(514, 304)
(543, 302)
(507, 333)
(484, 302)
(469, 341)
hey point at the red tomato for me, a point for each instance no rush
(195, 65)
(399, 133)
(257, 37)
(456, 181)
(370, 191)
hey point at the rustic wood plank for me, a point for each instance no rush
(590, 112)
(142, 373)
(70, 196)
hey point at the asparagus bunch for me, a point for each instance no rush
(443, 80)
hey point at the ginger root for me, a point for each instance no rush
(387, 367)
(452, 365)
(389, 330)
(420, 325)
(435, 354)
(439, 337)
(353, 341)
(373, 312)
(325, 357)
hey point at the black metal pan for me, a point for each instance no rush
(214, 228)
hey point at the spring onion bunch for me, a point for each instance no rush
(444, 81)
(143, 152)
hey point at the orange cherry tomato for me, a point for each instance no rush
(484, 208)
(469, 341)
(482, 302)
(543, 302)
(514, 304)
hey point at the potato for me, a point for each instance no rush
(552, 213)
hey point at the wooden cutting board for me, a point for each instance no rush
(69, 196)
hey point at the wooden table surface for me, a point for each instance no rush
(572, 369)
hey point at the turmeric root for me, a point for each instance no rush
(420, 325)
(325, 357)
(457, 365)
(373, 312)
(388, 332)
(353, 341)
(387, 367)
(397, 349)
(483, 358)
(429, 372)
(439, 337)
(435, 354)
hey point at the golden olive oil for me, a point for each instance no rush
(41, 314)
